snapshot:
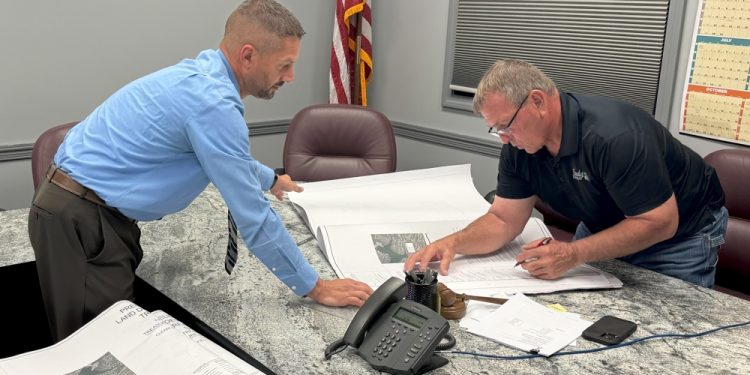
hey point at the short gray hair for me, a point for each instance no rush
(513, 79)
(255, 16)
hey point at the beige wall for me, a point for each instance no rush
(62, 58)
(79, 51)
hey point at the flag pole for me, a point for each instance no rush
(356, 95)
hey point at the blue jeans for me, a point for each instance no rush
(692, 259)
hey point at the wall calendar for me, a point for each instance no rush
(717, 87)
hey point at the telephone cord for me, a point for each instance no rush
(451, 342)
(623, 344)
(335, 348)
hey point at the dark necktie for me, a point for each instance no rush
(231, 259)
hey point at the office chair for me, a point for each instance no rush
(733, 270)
(331, 141)
(562, 227)
(44, 150)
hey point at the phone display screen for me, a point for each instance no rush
(405, 316)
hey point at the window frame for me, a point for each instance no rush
(668, 79)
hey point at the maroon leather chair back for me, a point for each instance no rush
(44, 150)
(562, 227)
(733, 168)
(331, 141)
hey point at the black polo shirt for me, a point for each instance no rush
(615, 160)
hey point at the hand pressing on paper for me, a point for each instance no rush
(547, 261)
(283, 184)
(342, 292)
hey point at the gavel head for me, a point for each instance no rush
(452, 306)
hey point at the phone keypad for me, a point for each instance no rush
(393, 337)
(387, 343)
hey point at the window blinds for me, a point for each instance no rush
(608, 48)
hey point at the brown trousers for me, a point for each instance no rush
(86, 256)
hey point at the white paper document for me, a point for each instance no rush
(126, 339)
(445, 193)
(526, 325)
(368, 226)
(372, 253)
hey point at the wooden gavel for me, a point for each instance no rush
(453, 305)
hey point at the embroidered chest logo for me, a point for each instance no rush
(579, 175)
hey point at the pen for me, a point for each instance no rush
(545, 241)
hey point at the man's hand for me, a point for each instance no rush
(283, 184)
(441, 250)
(343, 292)
(548, 261)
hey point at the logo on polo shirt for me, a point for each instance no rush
(579, 175)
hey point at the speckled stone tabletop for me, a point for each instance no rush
(184, 258)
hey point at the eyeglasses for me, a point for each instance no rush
(507, 130)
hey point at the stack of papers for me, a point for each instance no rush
(526, 325)
(126, 339)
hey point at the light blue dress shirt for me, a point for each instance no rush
(156, 143)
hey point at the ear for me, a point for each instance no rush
(538, 99)
(248, 54)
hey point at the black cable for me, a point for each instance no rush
(445, 346)
(334, 348)
(620, 345)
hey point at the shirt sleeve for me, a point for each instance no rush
(220, 140)
(511, 183)
(634, 172)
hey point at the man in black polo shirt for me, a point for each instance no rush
(640, 194)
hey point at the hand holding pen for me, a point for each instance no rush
(544, 241)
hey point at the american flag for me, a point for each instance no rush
(348, 79)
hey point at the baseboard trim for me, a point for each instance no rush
(268, 127)
(16, 152)
(442, 138)
(418, 133)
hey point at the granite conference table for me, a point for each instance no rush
(184, 259)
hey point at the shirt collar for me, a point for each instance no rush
(571, 124)
(230, 72)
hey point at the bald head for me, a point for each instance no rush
(261, 23)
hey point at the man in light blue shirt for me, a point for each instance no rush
(149, 150)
